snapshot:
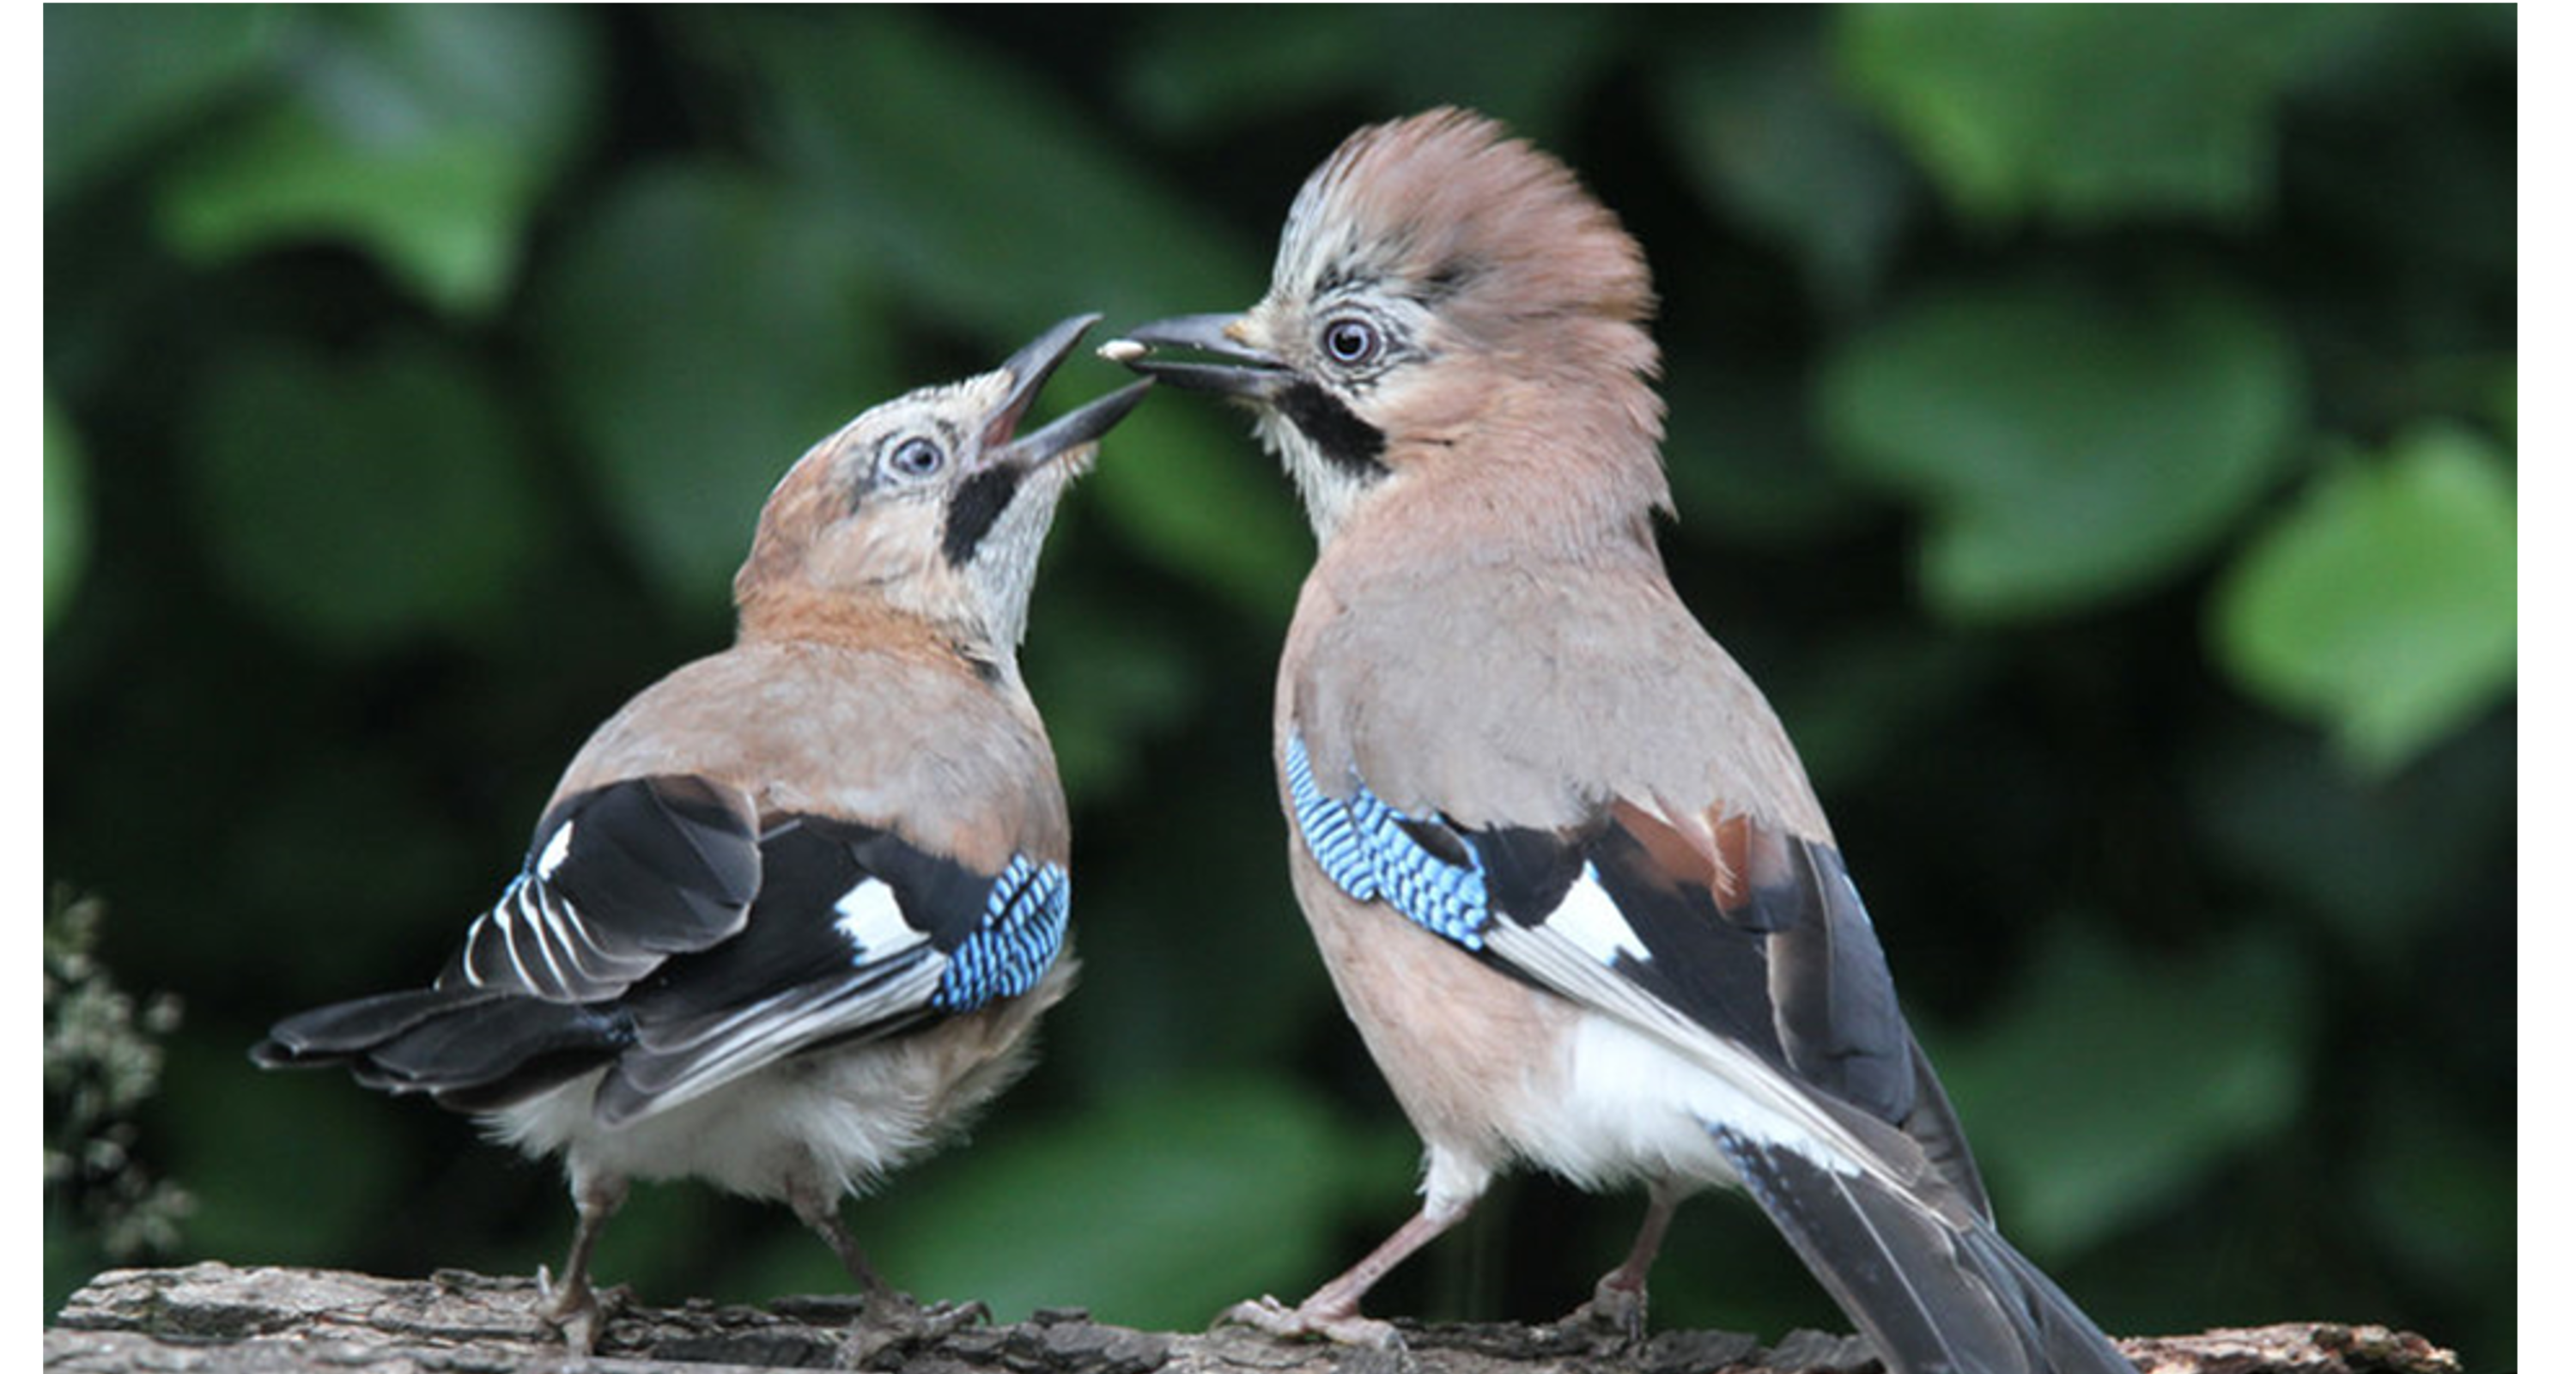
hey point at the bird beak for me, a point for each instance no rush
(1028, 370)
(1249, 373)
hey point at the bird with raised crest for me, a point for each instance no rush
(1563, 865)
(793, 911)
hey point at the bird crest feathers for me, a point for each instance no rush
(1449, 205)
(1541, 301)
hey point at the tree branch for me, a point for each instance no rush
(217, 1319)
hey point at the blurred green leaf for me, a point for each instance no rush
(2376, 862)
(388, 839)
(359, 499)
(66, 509)
(1109, 674)
(2090, 113)
(701, 327)
(1741, 453)
(118, 76)
(1186, 482)
(2070, 443)
(990, 195)
(2440, 1190)
(1836, 697)
(1201, 72)
(2108, 1082)
(423, 134)
(1770, 143)
(2382, 604)
(1235, 1180)
(333, 1171)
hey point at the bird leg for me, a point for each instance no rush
(1332, 1312)
(820, 1209)
(576, 1310)
(818, 1206)
(1618, 1301)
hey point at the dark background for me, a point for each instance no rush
(2095, 428)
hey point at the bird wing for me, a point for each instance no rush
(857, 933)
(657, 928)
(1743, 946)
(618, 879)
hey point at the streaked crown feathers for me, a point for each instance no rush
(1491, 230)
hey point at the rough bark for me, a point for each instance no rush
(217, 1319)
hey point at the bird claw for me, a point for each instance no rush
(576, 1311)
(944, 1318)
(900, 1319)
(1615, 1316)
(1268, 1314)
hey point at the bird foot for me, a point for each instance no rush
(1614, 1317)
(891, 1320)
(576, 1311)
(1270, 1315)
(940, 1319)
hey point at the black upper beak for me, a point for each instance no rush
(1250, 373)
(1029, 369)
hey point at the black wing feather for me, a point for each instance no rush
(617, 879)
(652, 928)
(1939, 1295)
(1833, 997)
(1793, 971)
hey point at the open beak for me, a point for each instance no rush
(1028, 370)
(1246, 372)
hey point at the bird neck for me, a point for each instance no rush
(790, 613)
(1555, 473)
(1417, 529)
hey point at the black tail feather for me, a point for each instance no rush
(1938, 1294)
(473, 1049)
(328, 1035)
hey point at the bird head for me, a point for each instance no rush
(930, 507)
(1449, 304)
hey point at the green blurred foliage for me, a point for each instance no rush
(2068, 443)
(2383, 603)
(421, 134)
(2094, 426)
(675, 260)
(361, 498)
(66, 510)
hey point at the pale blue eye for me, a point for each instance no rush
(1350, 341)
(916, 458)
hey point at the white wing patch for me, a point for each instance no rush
(872, 921)
(1590, 919)
(558, 845)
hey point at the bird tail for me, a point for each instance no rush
(472, 1049)
(1937, 1294)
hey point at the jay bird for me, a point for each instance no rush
(794, 910)
(1561, 861)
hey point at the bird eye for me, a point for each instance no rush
(915, 458)
(1350, 341)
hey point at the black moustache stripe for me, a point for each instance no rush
(1349, 442)
(972, 509)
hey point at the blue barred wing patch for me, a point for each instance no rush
(1021, 932)
(1362, 845)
